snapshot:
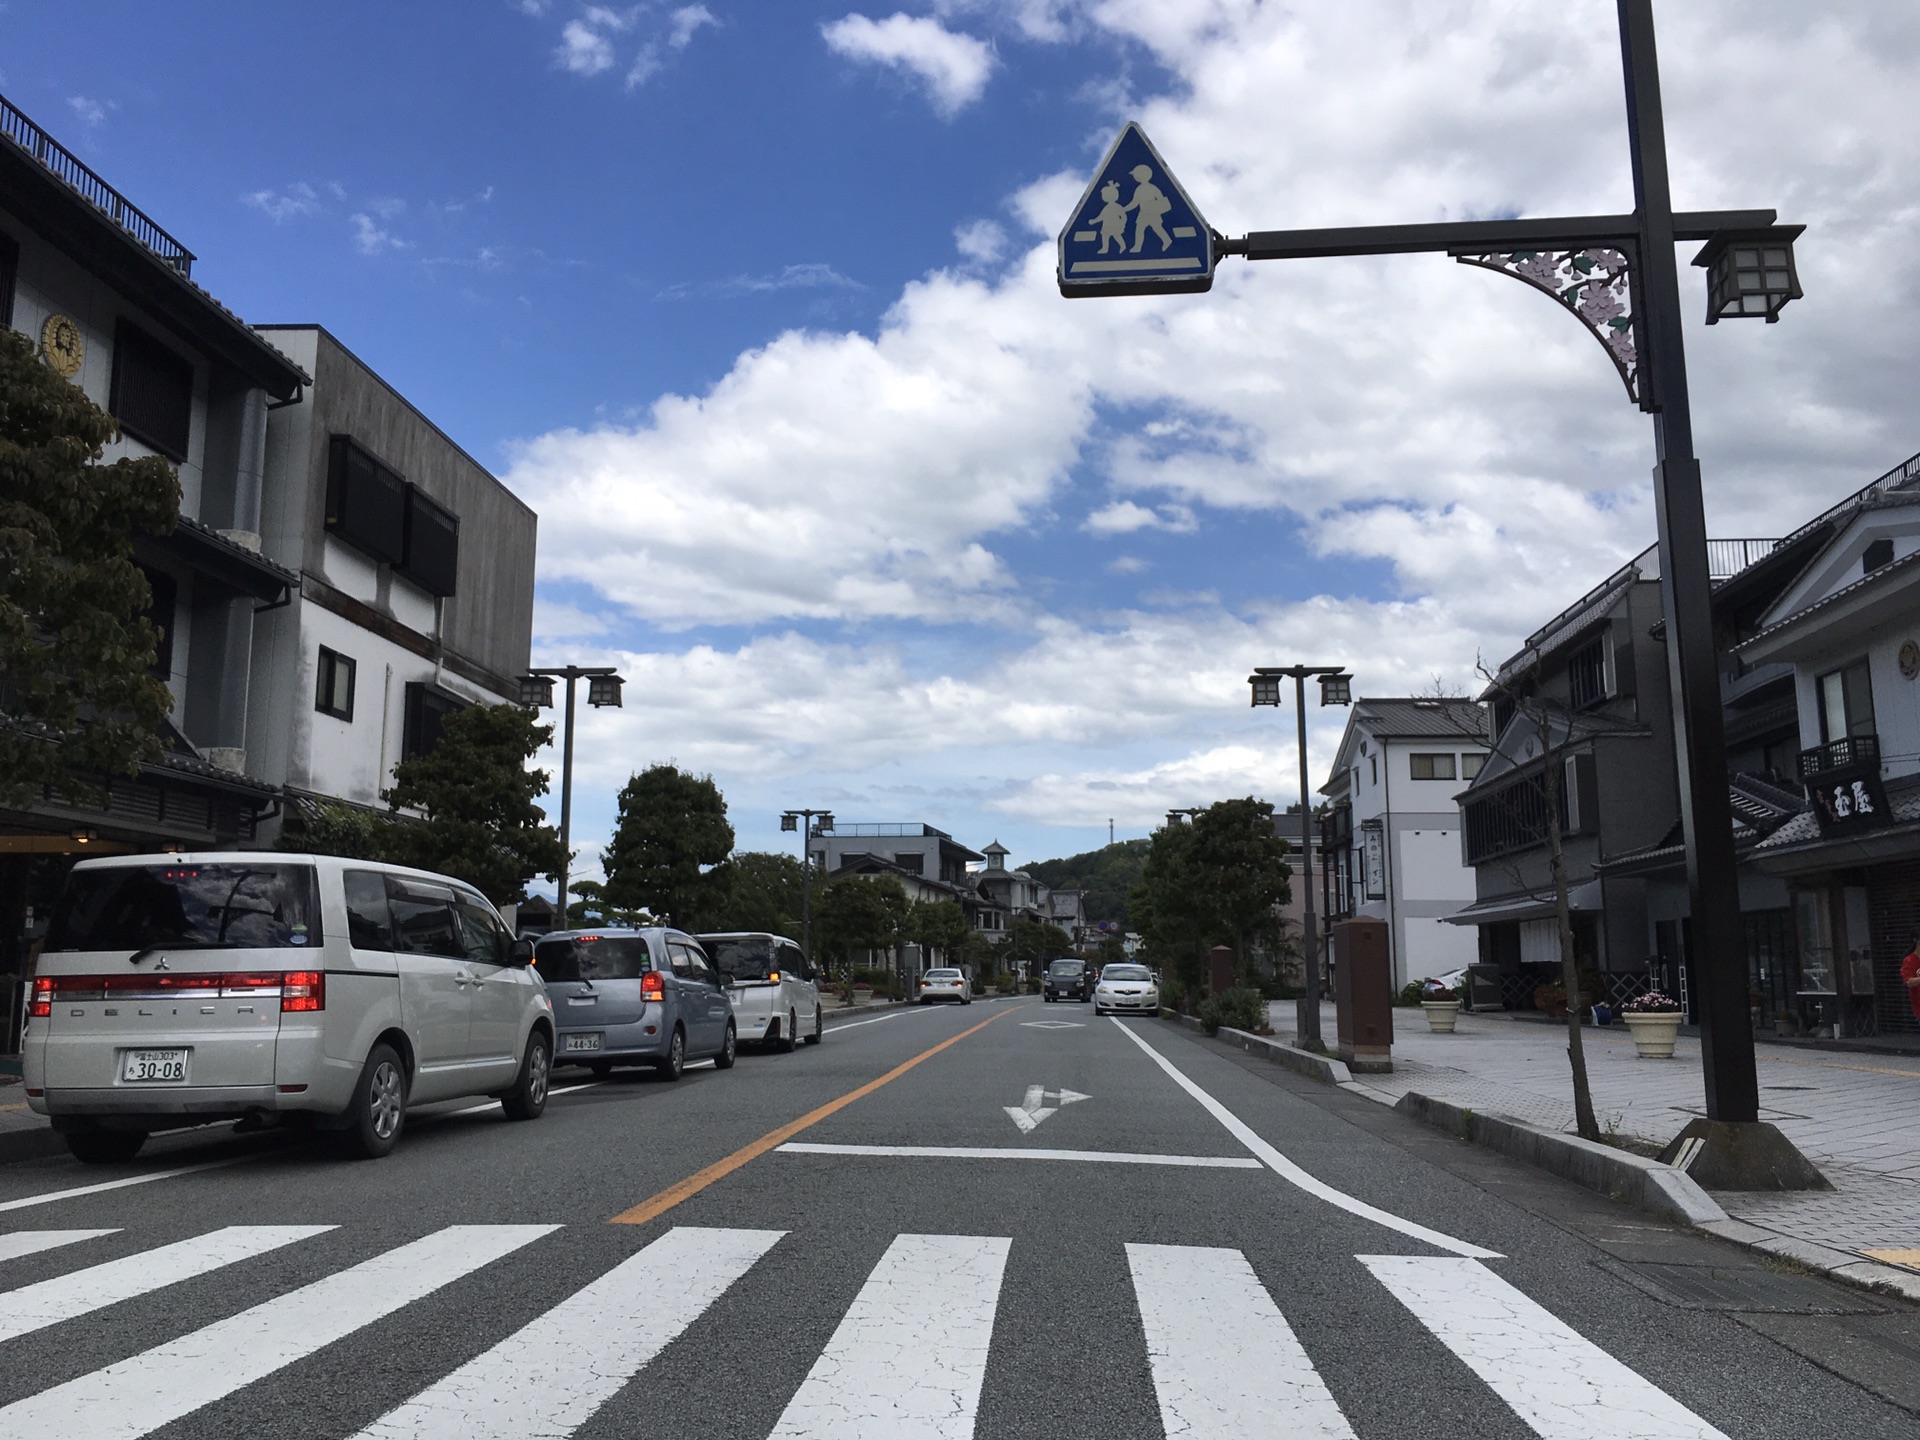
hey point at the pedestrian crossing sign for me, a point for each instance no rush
(1135, 232)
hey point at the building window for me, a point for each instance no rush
(432, 558)
(1879, 553)
(912, 860)
(334, 695)
(1431, 767)
(1470, 763)
(152, 392)
(1846, 702)
(366, 502)
(427, 710)
(1589, 677)
(1373, 769)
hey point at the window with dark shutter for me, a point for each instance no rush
(366, 502)
(152, 392)
(9, 274)
(432, 558)
(426, 711)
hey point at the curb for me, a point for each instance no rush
(30, 1144)
(1324, 1068)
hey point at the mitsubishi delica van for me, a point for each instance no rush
(303, 989)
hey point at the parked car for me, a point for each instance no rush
(635, 997)
(1126, 989)
(946, 984)
(775, 994)
(303, 989)
(1068, 980)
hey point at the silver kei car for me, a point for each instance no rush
(1126, 989)
(775, 994)
(635, 997)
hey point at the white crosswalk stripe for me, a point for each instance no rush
(32, 1242)
(139, 1395)
(1224, 1359)
(34, 1307)
(1563, 1385)
(909, 1358)
(907, 1361)
(548, 1379)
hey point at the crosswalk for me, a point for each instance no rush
(908, 1360)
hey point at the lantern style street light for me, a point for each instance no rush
(1335, 689)
(804, 821)
(1749, 277)
(536, 693)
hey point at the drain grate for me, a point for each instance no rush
(1743, 1289)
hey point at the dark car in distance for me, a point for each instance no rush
(1068, 980)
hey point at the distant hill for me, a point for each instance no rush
(1105, 874)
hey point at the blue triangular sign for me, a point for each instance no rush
(1135, 232)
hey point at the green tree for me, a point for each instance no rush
(588, 906)
(1217, 881)
(1035, 940)
(336, 828)
(476, 799)
(1107, 875)
(671, 838)
(78, 694)
(763, 892)
(856, 913)
(938, 926)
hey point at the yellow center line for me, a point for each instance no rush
(686, 1189)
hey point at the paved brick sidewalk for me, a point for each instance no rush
(1855, 1116)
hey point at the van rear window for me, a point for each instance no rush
(187, 907)
(592, 957)
(744, 959)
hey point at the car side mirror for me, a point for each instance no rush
(520, 952)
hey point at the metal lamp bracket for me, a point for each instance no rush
(1595, 283)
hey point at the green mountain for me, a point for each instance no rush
(1105, 874)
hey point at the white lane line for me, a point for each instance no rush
(34, 1307)
(32, 1242)
(77, 1191)
(548, 1379)
(1294, 1175)
(909, 1357)
(968, 1152)
(495, 1104)
(1225, 1362)
(158, 1386)
(1563, 1385)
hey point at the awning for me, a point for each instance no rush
(1525, 907)
(213, 556)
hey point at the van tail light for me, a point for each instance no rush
(303, 990)
(41, 1005)
(653, 986)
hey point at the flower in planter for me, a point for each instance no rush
(1651, 1002)
(1433, 992)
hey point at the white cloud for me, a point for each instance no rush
(90, 113)
(370, 239)
(954, 68)
(1123, 517)
(586, 46)
(685, 22)
(813, 275)
(981, 241)
(298, 198)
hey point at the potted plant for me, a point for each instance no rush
(1654, 1019)
(862, 993)
(1442, 1006)
(1551, 1000)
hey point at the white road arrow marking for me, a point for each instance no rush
(1028, 1114)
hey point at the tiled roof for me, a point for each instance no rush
(1903, 564)
(1454, 718)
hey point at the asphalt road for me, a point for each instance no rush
(1272, 1259)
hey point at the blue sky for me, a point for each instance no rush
(753, 301)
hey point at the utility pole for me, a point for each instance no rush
(536, 692)
(802, 820)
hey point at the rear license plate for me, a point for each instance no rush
(154, 1067)
(580, 1042)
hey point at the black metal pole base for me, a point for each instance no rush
(1741, 1155)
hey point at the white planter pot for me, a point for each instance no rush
(863, 997)
(1653, 1034)
(1441, 1015)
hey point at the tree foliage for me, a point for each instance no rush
(670, 841)
(476, 798)
(858, 913)
(763, 892)
(1108, 875)
(77, 688)
(1220, 880)
(938, 926)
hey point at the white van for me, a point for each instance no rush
(775, 993)
(308, 989)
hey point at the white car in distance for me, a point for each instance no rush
(1128, 989)
(946, 984)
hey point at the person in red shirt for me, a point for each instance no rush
(1910, 972)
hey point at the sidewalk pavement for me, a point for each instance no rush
(1856, 1117)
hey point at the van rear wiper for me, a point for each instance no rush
(145, 950)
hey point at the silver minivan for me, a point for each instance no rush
(635, 997)
(776, 995)
(253, 985)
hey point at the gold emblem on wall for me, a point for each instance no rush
(1910, 659)
(63, 345)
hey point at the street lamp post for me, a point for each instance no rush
(536, 692)
(1616, 274)
(802, 820)
(1335, 689)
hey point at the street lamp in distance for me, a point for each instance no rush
(1336, 688)
(536, 693)
(809, 823)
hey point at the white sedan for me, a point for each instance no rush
(1126, 988)
(946, 985)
